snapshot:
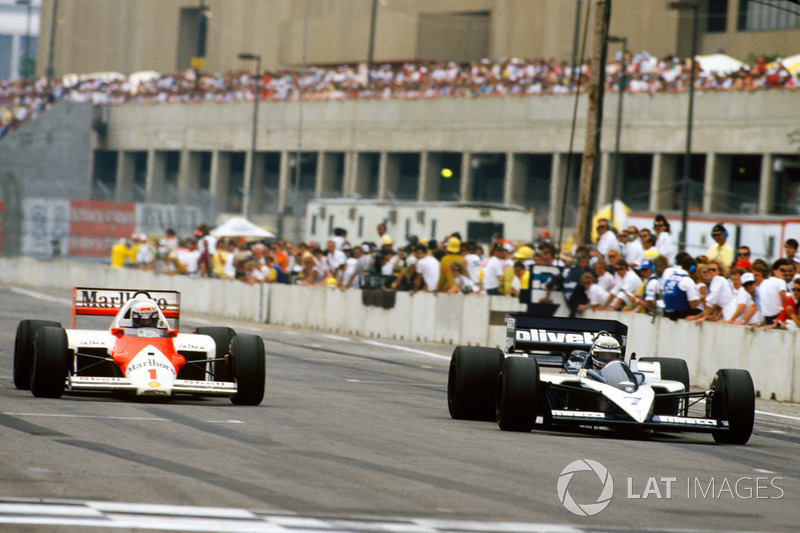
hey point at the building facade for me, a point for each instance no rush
(169, 35)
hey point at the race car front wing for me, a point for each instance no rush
(181, 386)
(654, 422)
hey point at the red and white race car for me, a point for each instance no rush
(141, 352)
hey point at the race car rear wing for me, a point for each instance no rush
(108, 302)
(556, 336)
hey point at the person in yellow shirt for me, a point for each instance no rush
(119, 253)
(720, 249)
(522, 279)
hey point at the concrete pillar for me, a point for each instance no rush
(767, 185)
(467, 175)
(663, 180)
(326, 175)
(608, 180)
(558, 181)
(429, 165)
(516, 174)
(716, 183)
(189, 172)
(390, 176)
(252, 181)
(155, 181)
(126, 165)
(220, 178)
(284, 182)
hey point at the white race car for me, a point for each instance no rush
(140, 353)
(592, 389)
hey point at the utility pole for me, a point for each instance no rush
(594, 121)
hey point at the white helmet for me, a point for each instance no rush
(604, 350)
(144, 315)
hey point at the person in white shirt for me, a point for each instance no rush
(664, 244)
(472, 261)
(596, 294)
(772, 291)
(634, 252)
(720, 301)
(604, 278)
(427, 267)
(744, 299)
(494, 270)
(627, 283)
(606, 240)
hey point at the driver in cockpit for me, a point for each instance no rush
(144, 315)
(604, 350)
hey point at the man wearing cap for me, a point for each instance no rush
(744, 299)
(720, 249)
(453, 250)
(652, 283)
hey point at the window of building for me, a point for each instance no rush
(717, 16)
(461, 37)
(191, 36)
(758, 15)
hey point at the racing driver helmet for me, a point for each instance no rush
(604, 350)
(144, 315)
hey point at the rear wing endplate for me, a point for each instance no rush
(527, 333)
(108, 302)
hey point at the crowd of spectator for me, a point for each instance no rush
(637, 73)
(723, 285)
(628, 270)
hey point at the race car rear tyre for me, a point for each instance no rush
(471, 382)
(734, 400)
(672, 369)
(23, 351)
(50, 360)
(222, 339)
(249, 369)
(517, 394)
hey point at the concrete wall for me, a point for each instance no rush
(769, 355)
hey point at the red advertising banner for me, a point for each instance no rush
(94, 226)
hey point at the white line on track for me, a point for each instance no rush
(412, 350)
(131, 418)
(40, 296)
(777, 415)
(336, 338)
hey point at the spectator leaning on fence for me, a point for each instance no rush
(772, 291)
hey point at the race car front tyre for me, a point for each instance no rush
(672, 369)
(733, 399)
(23, 351)
(517, 394)
(248, 368)
(471, 382)
(222, 339)
(50, 362)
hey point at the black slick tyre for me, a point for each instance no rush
(517, 394)
(222, 339)
(672, 369)
(23, 351)
(471, 382)
(249, 369)
(734, 400)
(50, 360)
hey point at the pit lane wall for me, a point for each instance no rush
(769, 355)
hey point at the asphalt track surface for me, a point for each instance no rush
(354, 435)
